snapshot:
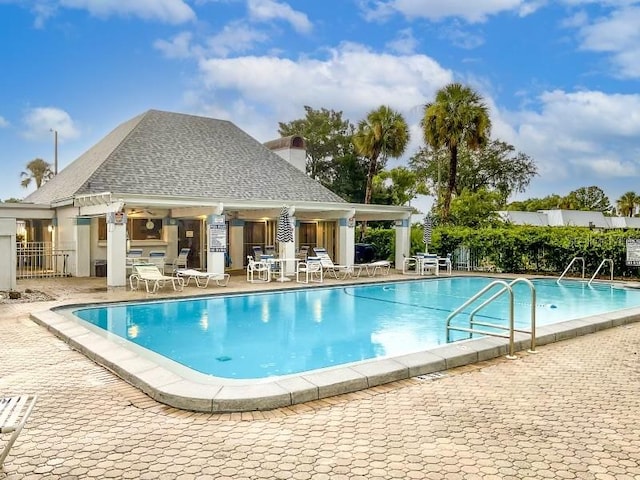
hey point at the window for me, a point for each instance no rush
(137, 228)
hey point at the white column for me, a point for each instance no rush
(83, 247)
(346, 241)
(403, 241)
(216, 243)
(170, 235)
(8, 254)
(116, 253)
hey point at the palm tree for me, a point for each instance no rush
(383, 134)
(458, 116)
(37, 170)
(627, 204)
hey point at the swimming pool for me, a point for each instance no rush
(312, 343)
(288, 332)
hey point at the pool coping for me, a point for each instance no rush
(223, 395)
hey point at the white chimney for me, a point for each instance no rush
(293, 149)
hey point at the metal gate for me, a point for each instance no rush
(41, 260)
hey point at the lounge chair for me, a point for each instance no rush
(157, 258)
(380, 266)
(153, 278)
(262, 269)
(180, 261)
(134, 255)
(202, 278)
(337, 271)
(311, 269)
(14, 413)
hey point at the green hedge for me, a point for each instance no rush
(522, 249)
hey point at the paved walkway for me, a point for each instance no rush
(571, 411)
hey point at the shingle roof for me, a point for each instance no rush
(173, 154)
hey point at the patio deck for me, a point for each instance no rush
(571, 411)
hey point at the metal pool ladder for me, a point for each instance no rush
(506, 287)
(569, 266)
(606, 260)
(600, 266)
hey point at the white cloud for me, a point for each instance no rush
(352, 79)
(577, 134)
(169, 11)
(405, 43)
(265, 10)
(471, 11)
(3, 122)
(179, 46)
(235, 37)
(41, 121)
(618, 34)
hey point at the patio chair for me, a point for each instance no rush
(429, 263)
(445, 262)
(14, 413)
(262, 269)
(153, 278)
(257, 252)
(180, 261)
(410, 265)
(311, 269)
(337, 271)
(202, 279)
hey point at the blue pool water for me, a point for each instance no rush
(281, 333)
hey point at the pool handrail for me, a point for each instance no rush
(599, 267)
(569, 266)
(511, 354)
(507, 287)
(531, 331)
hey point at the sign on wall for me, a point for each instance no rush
(217, 233)
(633, 252)
(117, 218)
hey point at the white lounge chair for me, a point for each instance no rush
(180, 261)
(379, 266)
(262, 269)
(14, 413)
(337, 271)
(202, 278)
(153, 278)
(311, 269)
(158, 258)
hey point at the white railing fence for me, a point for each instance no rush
(41, 259)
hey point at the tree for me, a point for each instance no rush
(476, 209)
(38, 171)
(496, 167)
(350, 178)
(549, 202)
(382, 134)
(457, 117)
(586, 198)
(13, 200)
(399, 184)
(328, 140)
(627, 204)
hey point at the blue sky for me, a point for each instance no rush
(561, 77)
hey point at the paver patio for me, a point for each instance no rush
(571, 411)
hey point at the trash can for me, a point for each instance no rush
(364, 253)
(100, 267)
